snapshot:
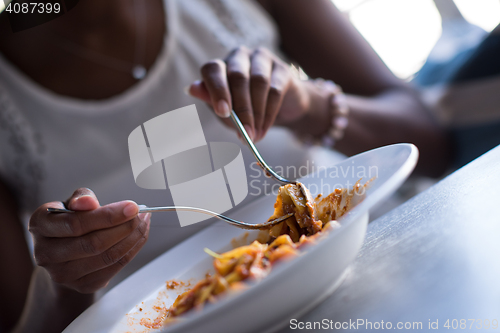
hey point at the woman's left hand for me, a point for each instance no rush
(259, 87)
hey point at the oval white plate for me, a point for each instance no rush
(291, 288)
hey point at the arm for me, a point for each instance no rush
(47, 306)
(384, 109)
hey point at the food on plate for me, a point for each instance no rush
(253, 261)
(312, 218)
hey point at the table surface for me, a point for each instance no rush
(436, 257)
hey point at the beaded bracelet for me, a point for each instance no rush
(339, 114)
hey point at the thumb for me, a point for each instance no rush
(83, 199)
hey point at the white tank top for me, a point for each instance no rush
(53, 144)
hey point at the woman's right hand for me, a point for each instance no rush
(258, 85)
(84, 250)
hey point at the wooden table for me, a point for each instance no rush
(434, 258)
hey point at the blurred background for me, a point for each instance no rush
(403, 32)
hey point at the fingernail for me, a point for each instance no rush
(186, 90)
(223, 109)
(249, 131)
(145, 216)
(83, 196)
(130, 209)
(260, 134)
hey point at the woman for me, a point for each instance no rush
(74, 88)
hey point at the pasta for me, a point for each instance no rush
(312, 217)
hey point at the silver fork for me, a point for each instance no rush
(239, 224)
(243, 225)
(267, 169)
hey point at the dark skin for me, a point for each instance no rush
(313, 33)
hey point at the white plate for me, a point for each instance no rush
(291, 288)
